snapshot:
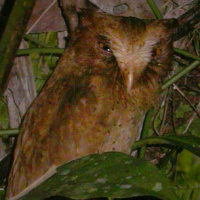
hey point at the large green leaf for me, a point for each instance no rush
(110, 174)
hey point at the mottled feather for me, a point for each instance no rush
(95, 100)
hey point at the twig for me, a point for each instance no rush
(12, 37)
(191, 120)
(41, 16)
(155, 9)
(7, 132)
(180, 74)
(188, 101)
(22, 52)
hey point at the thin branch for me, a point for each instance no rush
(41, 16)
(22, 52)
(12, 37)
(180, 74)
(7, 132)
(164, 116)
(155, 9)
(145, 130)
(186, 54)
(191, 120)
(150, 141)
(188, 101)
(38, 42)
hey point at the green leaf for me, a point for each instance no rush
(4, 122)
(184, 109)
(2, 193)
(195, 127)
(110, 174)
(43, 65)
(189, 188)
(184, 161)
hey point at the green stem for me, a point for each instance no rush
(2, 192)
(22, 52)
(150, 141)
(186, 54)
(155, 9)
(7, 132)
(38, 42)
(180, 74)
(145, 131)
(12, 36)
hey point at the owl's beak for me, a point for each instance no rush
(129, 81)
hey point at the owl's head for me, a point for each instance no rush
(136, 51)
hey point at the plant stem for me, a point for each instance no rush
(12, 36)
(7, 132)
(149, 141)
(22, 52)
(145, 130)
(36, 41)
(186, 54)
(180, 74)
(155, 9)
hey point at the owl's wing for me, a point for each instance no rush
(33, 152)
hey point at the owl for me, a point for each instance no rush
(95, 101)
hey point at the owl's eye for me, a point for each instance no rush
(105, 47)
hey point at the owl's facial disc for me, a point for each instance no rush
(133, 57)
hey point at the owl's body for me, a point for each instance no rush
(95, 100)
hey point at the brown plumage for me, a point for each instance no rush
(95, 100)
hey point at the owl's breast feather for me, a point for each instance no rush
(102, 119)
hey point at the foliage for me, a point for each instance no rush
(112, 174)
(43, 65)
